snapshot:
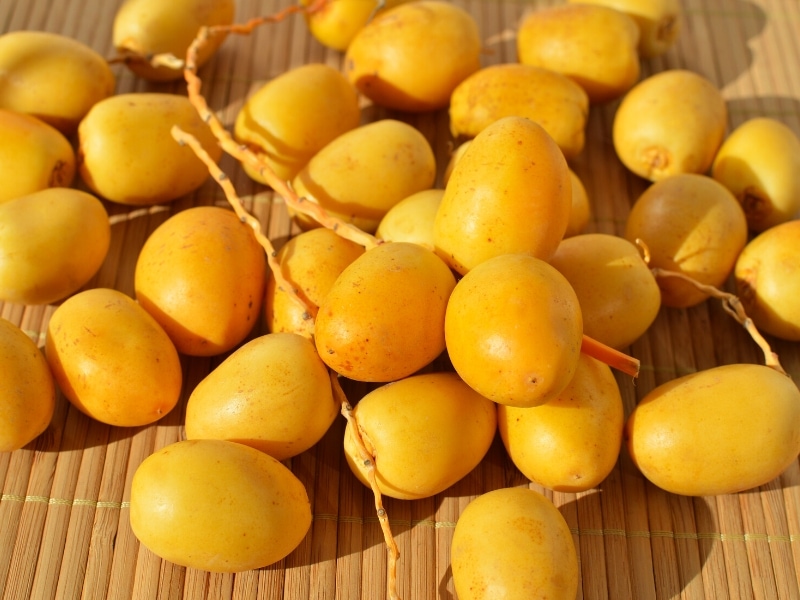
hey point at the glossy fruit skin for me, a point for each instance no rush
(580, 213)
(719, 431)
(312, 261)
(294, 115)
(52, 77)
(218, 506)
(411, 219)
(348, 177)
(767, 275)
(510, 192)
(619, 295)
(571, 443)
(143, 28)
(127, 153)
(426, 432)
(759, 162)
(335, 24)
(112, 360)
(690, 224)
(525, 354)
(513, 543)
(545, 96)
(33, 156)
(52, 242)
(411, 57)
(383, 319)
(273, 393)
(659, 22)
(670, 123)
(27, 389)
(593, 45)
(202, 275)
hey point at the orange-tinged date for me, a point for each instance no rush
(509, 192)
(112, 360)
(383, 319)
(202, 275)
(412, 57)
(513, 329)
(311, 261)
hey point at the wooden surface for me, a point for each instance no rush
(64, 530)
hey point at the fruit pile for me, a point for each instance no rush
(471, 298)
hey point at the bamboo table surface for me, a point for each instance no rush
(64, 530)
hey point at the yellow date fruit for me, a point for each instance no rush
(411, 57)
(513, 543)
(618, 293)
(581, 210)
(273, 394)
(311, 262)
(52, 77)
(127, 153)
(669, 123)
(33, 156)
(760, 163)
(383, 319)
(362, 173)
(525, 354)
(27, 389)
(426, 432)
(691, 225)
(593, 45)
(52, 242)
(659, 22)
(510, 192)
(202, 275)
(335, 24)
(551, 99)
(767, 274)
(580, 213)
(411, 219)
(218, 506)
(571, 443)
(144, 28)
(293, 116)
(112, 360)
(719, 431)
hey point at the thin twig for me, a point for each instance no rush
(369, 466)
(242, 152)
(733, 306)
(610, 356)
(730, 303)
(282, 284)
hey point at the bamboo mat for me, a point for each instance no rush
(64, 530)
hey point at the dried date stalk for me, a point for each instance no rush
(730, 303)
